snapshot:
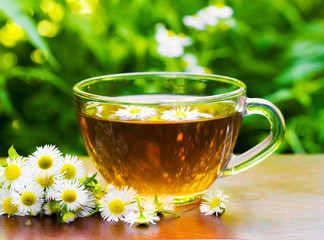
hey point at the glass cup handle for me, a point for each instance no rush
(255, 155)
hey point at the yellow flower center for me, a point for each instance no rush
(219, 5)
(180, 114)
(45, 162)
(116, 207)
(215, 203)
(171, 33)
(45, 181)
(8, 207)
(134, 110)
(156, 118)
(68, 171)
(12, 172)
(28, 199)
(69, 196)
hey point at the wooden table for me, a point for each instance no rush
(283, 197)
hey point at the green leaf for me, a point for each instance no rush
(12, 152)
(6, 105)
(26, 73)
(14, 11)
(293, 140)
(92, 178)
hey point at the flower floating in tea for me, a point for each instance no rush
(136, 113)
(213, 202)
(179, 114)
(58, 186)
(184, 114)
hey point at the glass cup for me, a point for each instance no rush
(169, 133)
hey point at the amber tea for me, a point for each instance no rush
(173, 150)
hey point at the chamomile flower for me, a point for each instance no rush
(135, 113)
(68, 217)
(29, 200)
(116, 204)
(170, 44)
(109, 187)
(190, 63)
(47, 209)
(201, 19)
(220, 11)
(189, 60)
(180, 114)
(6, 204)
(71, 194)
(205, 115)
(44, 181)
(213, 202)
(198, 69)
(93, 108)
(88, 207)
(194, 21)
(45, 161)
(208, 16)
(14, 174)
(145, 214)
(162, 203)
(72, 168)
(51, 189)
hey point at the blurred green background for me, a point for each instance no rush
(46, 46)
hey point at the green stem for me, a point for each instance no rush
(169, 213)
(140, 209)
(59, 219)
(156, 201)
(90, 214)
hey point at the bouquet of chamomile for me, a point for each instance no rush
(48, 183)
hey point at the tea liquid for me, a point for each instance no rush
(176, 158)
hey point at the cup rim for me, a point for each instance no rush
(201, 99)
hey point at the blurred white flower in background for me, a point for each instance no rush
(170, 44)
(195, 22)
(208, 16)
(223, 12)
(190, 63)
